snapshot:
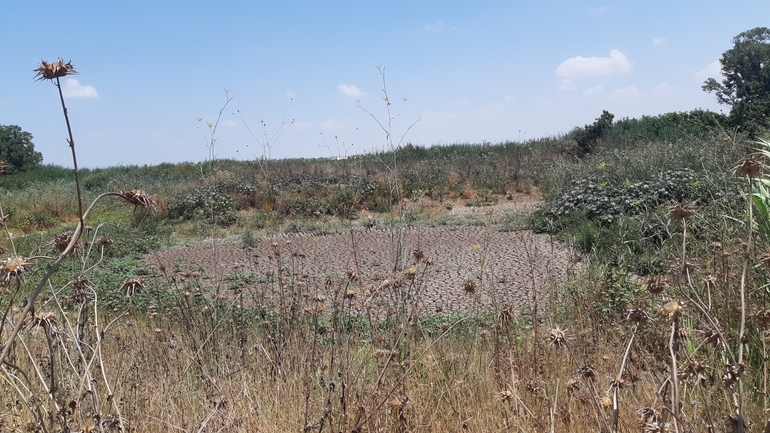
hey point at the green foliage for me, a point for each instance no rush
(669, 127)
(210, 203)
(588, 136)
(746, 86)
(17, 150)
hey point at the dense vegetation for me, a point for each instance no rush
(653, 205)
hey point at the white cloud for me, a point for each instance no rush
(459, 103)
(492, 110)
(616, 63)
(440, 116)
(598, 11)
(230, 123)
(713, 70)
(290, 94)
(658, 41)
(331, 124)
(624, 94)
(73, 89)
(350, 90)
(434, 27)
(509, 98)
(567, 84)
(594, 91)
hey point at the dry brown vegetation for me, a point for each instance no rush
(662, 327)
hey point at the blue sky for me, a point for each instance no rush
(472, 71)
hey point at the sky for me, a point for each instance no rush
(154, 74)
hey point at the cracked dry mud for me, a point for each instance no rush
(474, 268)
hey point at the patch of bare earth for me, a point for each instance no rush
(472, 268)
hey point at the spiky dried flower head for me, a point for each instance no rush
(558, 337)
(62, 241)
(505, 395)
(734, 372)
(411, 272)
(750, 166)
(469, 286)
(656, 285)
(54, 70)
(588, 372)
(637, 316)
(671, 308)
(44, 320)
(682, 210)
(573, 386)
(80, 285)
(105, 241)
(138, 198)
(14, 267)
(132, 284)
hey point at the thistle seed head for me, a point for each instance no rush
(54, 70)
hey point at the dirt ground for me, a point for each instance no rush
(473, 268)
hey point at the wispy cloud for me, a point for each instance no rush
(434, 27)
(459, 103)
(575, 67)
(601, 10)
(658, 41)
(625, 94)
(567, 84)
(73, 89)
(350, 90)
(594, 91)
(290, 94)
(713, 70)
(230, 123)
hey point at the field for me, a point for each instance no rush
(537, 286)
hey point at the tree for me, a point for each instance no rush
(587, 137)
(746, 84)
(17, 149)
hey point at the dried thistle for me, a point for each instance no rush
(750, 166)
(637, 316)
(14, 267)
(588, 372)
(62, 241)
(43, 320)
(505, 395)
(80, 285)
(573, 386)
(387, 354)
(681, 211)
(656, 285)
(138, 199)
(671, 308)
(558, 337)
(734, 372)
(469, 286)
(418, 255)
(132, 284)
(105, 241)
(54, 70)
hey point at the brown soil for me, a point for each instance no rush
(473, 268)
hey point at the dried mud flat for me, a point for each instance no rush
(473, 268)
